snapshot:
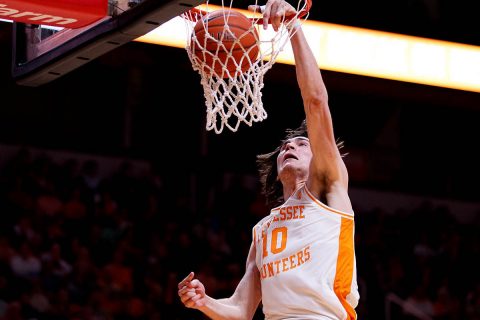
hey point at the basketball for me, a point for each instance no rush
(229, 36)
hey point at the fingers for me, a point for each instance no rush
(188, 284)
(263, 10)
(194, 301)
(190, 291)
(195, 298)
(183, 291)
(191, 297)
(275, 15)
(195, 284)
(266, 14)
(274, 12)
(186, 293)
(255, 8)
(187, 279)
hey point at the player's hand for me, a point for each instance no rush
(192, 292)
(275, 12)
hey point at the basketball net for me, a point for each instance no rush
(235, 97)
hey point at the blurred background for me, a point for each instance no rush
(112, 191)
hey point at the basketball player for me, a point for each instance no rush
(301, 263)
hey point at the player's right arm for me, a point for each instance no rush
(241, 305)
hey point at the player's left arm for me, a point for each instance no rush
(327, 163)
(327, 167)
(328, 174)
(248, 292)
(242, 305)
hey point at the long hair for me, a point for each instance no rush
(272, 188)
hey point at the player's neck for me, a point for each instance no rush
(290, 188)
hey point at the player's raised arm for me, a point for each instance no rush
(327, 163)
(241, 305)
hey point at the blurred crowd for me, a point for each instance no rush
(78, 245)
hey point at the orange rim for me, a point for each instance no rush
(196, 14)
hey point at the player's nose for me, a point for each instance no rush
(290, 145)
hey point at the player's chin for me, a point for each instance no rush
(287, 168)
(290, 162)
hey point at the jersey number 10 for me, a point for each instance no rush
(278, 241)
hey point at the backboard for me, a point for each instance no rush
(42, 53)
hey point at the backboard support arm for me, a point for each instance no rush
(37, 61)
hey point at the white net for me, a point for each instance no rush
(232, 76)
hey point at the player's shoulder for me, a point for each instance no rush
(267, 218)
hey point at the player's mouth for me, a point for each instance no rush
(289, 156)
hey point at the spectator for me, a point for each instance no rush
(56, 264)
(122, 259)
(48, 204)
(25, 263)
(418, 303)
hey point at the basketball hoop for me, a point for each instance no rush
(231, 77)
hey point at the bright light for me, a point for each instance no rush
(368, 53)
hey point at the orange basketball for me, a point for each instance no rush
(234, 46)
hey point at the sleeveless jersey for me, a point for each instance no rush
(306, 258)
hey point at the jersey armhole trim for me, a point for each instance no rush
(324, 206)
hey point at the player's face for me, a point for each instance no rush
(294, 154)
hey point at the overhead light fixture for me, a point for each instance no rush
(368, 53)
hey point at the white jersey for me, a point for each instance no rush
(306, 258)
